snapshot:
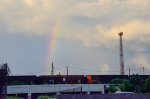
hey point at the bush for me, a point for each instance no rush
(43, 97)
(112, 89)
(147, 85)
(46, 97)
(13, 97)
(126, 86)
(117, 81)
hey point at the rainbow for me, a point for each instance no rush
(53, 44)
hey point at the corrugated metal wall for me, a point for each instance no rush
(105, 96)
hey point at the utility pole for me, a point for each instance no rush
(143, 71)
(67, 70)
(59, 74)
(122, 72)
(52, 71)
(129, 71)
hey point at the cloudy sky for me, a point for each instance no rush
(81, 34)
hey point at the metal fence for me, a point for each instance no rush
(104, 96)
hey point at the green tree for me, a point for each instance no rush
(135, 79)
(133, 84)
(112, 88)
(126, 86)
(116, 81)
(147, 85)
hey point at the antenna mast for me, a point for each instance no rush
(122, 72)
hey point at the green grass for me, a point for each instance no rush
(47, 97)
(13, 97)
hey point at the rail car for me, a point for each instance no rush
(65, 79)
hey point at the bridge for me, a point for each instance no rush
(54, 88)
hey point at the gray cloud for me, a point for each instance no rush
(94, 24)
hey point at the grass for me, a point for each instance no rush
(13, 97)
(47, 97)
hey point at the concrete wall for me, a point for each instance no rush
(53, 88)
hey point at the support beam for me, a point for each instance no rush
(29, 95)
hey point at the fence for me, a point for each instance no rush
(104, 96)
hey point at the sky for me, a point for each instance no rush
(80, 34)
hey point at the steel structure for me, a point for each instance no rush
(122, 72)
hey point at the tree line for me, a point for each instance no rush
(133, 84)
